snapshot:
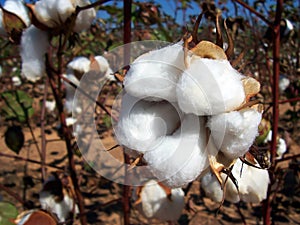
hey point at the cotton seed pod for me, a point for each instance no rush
(55, 199)
(181, 157)
(35, 216)
(252, 184)
(18, 8)
(142, 124)
(154, 75)
(209, 87)
(241, 128)
(34, 45)
(155, 202)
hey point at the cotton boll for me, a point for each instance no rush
(283, 83)
(209, 87)
(53, 13)
(252, 184)
(180, 158)
(154, 75)
(80, 64)
(105, 68)
(18, 7)
(281, 148)
(241, 128)
(156, 204)
(34, 44)
(142, 124)
(16, 81)
(85, 17)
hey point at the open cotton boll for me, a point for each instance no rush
(34, 45)
(142, 124)
(209, 87)
(156, 204)
(18, 7)
(53, 13)
(241, 128)
(84, 18)
(180, 158)
(252, 184)
(154, 75)
(80, 64)
(105, 68)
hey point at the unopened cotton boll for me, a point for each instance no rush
(181, 157)
(209, 87)
(53, 13)
(252, 184)
(18, 7)
(154, 75)
(235, 132)
(34, 44)
(142, 124)
(156, 204)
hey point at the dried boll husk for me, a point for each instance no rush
(210, 87)
(154, 75)
(180, 158)
(34, 45)
(252, 184)
(18, 8)
(156, 203)
(241, 129)
(143, 124)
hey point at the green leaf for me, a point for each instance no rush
(18, 105)
(8, 212)
(14, 138)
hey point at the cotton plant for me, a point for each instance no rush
(185, 110)
(156, 201)
(250, 184)
(58, 199)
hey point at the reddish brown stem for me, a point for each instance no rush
(29, 160)
(275, 117)
(259, 15)
(68, 138)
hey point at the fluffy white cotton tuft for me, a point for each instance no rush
(209, 87)
(80, 64)
(154, 75)
(180, 158)
(34, 44)
(85, 17)
(53, 13)
(156, 204)
(143, 124)
(18, 7)
(252, 184)
(105, 68)
(235, 131)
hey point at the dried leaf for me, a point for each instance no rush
(207, 49)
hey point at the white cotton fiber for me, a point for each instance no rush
(142, 123)
(156, 204)
(18, 7)
(240, 129)
(180, 158)
(105, 68)
(34, 44)
(53, 13)
(209, 87)
(84, 18)
(81, 64)
(154, 75)
(252, 184)
(70, 92)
